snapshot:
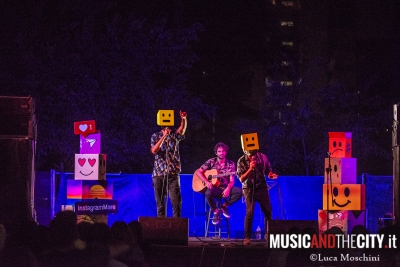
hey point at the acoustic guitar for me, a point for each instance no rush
(212, 175)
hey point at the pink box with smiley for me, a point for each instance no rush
(90, 166)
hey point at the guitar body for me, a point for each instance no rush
(198, 185)
(212, 175)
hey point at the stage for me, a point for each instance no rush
(293, 198)
(296, 201)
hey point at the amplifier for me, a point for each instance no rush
(165, 231)
(14, 105)
(18, 126)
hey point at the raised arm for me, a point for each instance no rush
(182, 128)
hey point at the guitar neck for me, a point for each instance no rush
(223, 174)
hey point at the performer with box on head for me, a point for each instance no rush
(167, 163)
(251, 170)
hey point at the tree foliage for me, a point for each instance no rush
(111, 62)
(294, 124)
(95, 60)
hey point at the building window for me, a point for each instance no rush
(287, 3)
(287, 43)
(287, 23)
(285, 63)
(286, 83)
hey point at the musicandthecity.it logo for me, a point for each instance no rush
(330, 241)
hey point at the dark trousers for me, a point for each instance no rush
(234, 195)
(261, 196)
(172, 183)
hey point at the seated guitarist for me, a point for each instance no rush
(224, 188)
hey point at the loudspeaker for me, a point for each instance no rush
(18, 126)
(16, 180)
(284, 226)
(165, 231)
(14, 105)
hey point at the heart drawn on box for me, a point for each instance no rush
(83, 127)
(92, 162)
(322, 215)
(81, 162)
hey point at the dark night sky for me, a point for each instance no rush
(235, 39)
(233, 48)
(231, 40)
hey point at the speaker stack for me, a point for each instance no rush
(165, 231)
(17, 160)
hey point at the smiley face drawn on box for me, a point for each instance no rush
(249, 141)
(344, 197)
(90, 166)
(165, 118)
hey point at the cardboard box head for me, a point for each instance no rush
(90, 166)
(249, 141)
(165, 118)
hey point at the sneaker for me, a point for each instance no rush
(215, 219)
(225, 211)
(246, 241)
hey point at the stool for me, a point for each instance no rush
(218, 228)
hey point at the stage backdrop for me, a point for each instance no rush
(292, 197)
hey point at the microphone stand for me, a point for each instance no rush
(167, 165)
(328, 186)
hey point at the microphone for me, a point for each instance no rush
(165, 137)
(252, 169)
